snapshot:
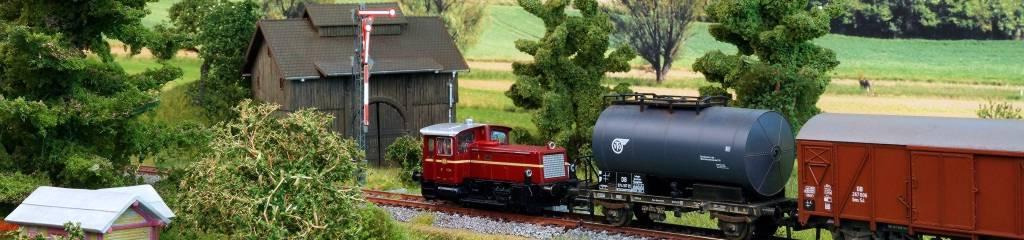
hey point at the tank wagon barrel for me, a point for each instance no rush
(695, 139)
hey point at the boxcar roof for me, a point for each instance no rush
(940, 132)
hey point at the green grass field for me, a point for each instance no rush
(981, 62)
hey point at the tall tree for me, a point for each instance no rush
(64, 114)
(655, 28)
(777, 67)
(563, 83)
(221, 34)
(465, 19)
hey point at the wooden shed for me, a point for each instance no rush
(306, 63)
(135, 212)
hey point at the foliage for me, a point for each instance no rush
(563, 83)
(521, 135)
(15, 187)
(164, 42)
(777, 67)
(223, 36)
(277, 9)
(973, 19)
(465, 19)
(406, 152)
(81, 25)
(187, 16)
(999, 110)
(656, 29)
(277, 177)
(64, 114)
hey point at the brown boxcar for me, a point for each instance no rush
(891, 177)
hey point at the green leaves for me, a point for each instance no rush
(406, 152)
(562, 83)
(272, 176)
(223, 37)
(777, 67)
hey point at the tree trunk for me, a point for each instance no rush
(660, 73)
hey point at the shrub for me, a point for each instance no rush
(521, 135)
(270, 177)
(999, 110)
(406, 152)
(15, 187)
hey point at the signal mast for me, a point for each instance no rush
(361, 63)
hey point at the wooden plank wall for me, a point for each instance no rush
(421, 97)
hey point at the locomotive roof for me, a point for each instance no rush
(939, 132)
(449, 129)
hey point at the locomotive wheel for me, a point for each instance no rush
(618, 216)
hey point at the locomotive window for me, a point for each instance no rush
(499, 136)
(430, 145)
(465, 139)
(444, 146)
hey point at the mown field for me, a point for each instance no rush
(984, 62)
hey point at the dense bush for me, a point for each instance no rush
(15, 187)
(999, 110)
(269, 177)
(406, 152)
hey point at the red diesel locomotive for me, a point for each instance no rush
(476, 164)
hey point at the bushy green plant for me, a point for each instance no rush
(562, 85)
(277, 177)
(777, 67)
(521, 135)
(15, 187)
(406, 152)
(999, 110)
(222, 37)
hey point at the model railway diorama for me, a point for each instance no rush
(858, 176)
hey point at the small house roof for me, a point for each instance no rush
(95, 210)
(939, 132)
(148, 195)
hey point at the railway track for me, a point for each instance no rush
(561, 219)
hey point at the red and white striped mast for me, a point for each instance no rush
(362, 52)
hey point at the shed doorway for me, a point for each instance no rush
(387, 123)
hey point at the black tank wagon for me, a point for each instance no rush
(663, 154)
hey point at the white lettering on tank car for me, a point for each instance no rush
(809, 191)
(828, 196)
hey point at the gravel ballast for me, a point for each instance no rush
(495, 226)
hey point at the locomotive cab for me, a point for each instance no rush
(477, 164)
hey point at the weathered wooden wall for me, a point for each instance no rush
(401, 104)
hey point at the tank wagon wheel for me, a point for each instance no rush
(618, 216)
(641, 216)
(762, 228)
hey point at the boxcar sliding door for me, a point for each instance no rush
(943, 190)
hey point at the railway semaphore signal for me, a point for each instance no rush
(365, 18)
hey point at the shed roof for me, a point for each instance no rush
(341, 14)
(939, 132)
(95, 210)
(424, 45)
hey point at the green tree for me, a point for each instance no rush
(777, 67)
(268, 177)
(465, 19)
(223, 35)
(563, 83)
(656, 29)
(65, 114)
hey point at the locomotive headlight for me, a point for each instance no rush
(529, 173)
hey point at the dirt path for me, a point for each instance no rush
(918, 106)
